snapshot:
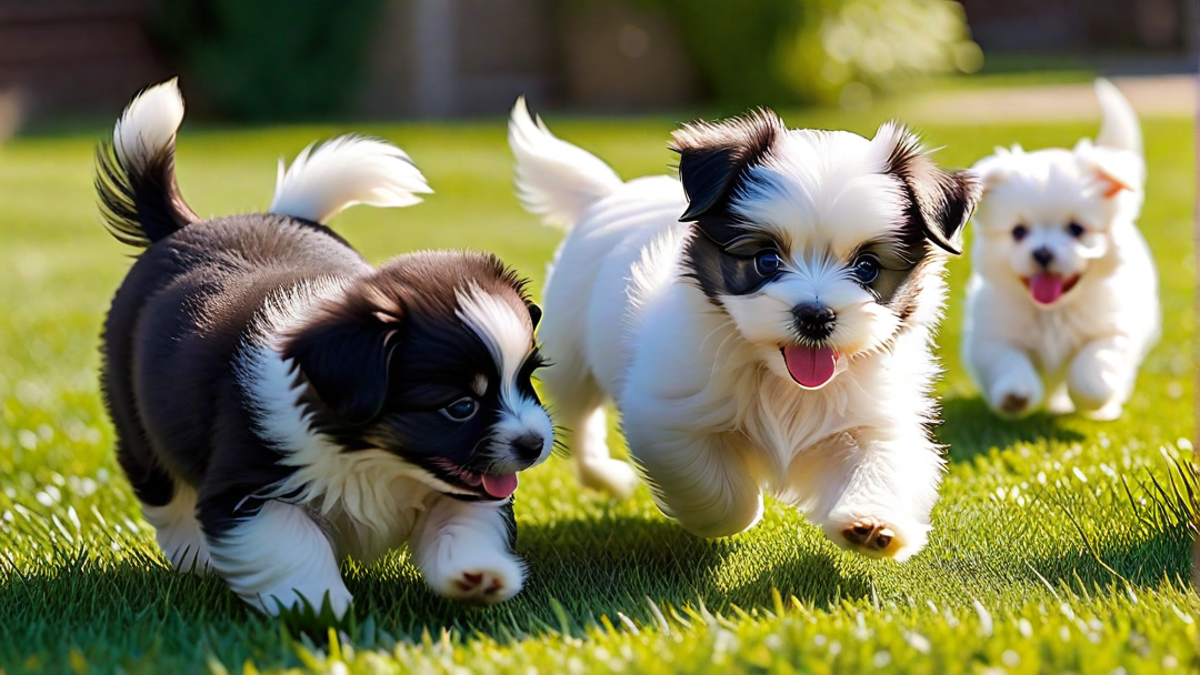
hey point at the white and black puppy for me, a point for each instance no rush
(763, 323)
(1062, 304)
(279, 403)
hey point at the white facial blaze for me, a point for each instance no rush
(510, 342)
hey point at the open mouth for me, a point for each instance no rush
(811, 367)
(491, 486)
(1047, 288)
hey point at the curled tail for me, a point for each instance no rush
(555, 180)
(140, 199)
(135, 173)
(1119, 128)
(327, 178)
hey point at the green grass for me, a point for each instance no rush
(1059, 545)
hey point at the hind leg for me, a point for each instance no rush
(276, 557)
(703, 482)
(178, 532)
(580, 410)
(167, 504)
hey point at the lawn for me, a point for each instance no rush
(1059, 545)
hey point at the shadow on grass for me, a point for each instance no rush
(581, 570)
(970, 428)
(1161, 558)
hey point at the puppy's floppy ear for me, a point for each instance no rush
(940, 202)
(713, 157)
(1116, 170)
(345, 355)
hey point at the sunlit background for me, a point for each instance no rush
(281, 60)
(1060, 544)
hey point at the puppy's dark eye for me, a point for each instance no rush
(1076, 230)
(1020, 232)
(767, 262)
(866, 269)
(461, 410)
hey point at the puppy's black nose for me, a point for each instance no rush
(528, 446)
(1043, 256)
(814, 321)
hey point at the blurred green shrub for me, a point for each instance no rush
(819, 51)
(269, 59)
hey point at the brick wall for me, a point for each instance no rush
(76, 57)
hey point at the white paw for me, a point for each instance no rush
(479, 578)
(1016, 396)
(1094, 390)
(613, 476)
(273, 601)
(877, 535)
(1060, 403)
(1111, 411)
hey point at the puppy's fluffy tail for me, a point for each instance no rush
(135, 173)
(323, 180)
(1119, 128)
(554, 179)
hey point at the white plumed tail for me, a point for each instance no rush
(323, 180)
(554, 179)
(1119, 128)
(148, 126)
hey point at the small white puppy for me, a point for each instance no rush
(763, 323)
(1062, 304)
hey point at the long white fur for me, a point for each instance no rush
(149, 124)
(713, 419)
(178, 532)
(323, 180)
(279, 558)
(555, 179)
(1082, 353)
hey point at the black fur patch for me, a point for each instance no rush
(713, 158)
(939, 202)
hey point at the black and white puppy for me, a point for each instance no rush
(279, 403)
(763, 324)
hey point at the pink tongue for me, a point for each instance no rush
(810, 366)
(1046, 288)
(500, 487)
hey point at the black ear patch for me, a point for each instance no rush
(939, 201)
(535, 313)
(714, 157)
(345, 357)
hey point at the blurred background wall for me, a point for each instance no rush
(319, 59)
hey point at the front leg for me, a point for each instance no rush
(703, 482)
(276, 558)
(1101, 376)
(1010, 382)
(465, 550)
(870, 492)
